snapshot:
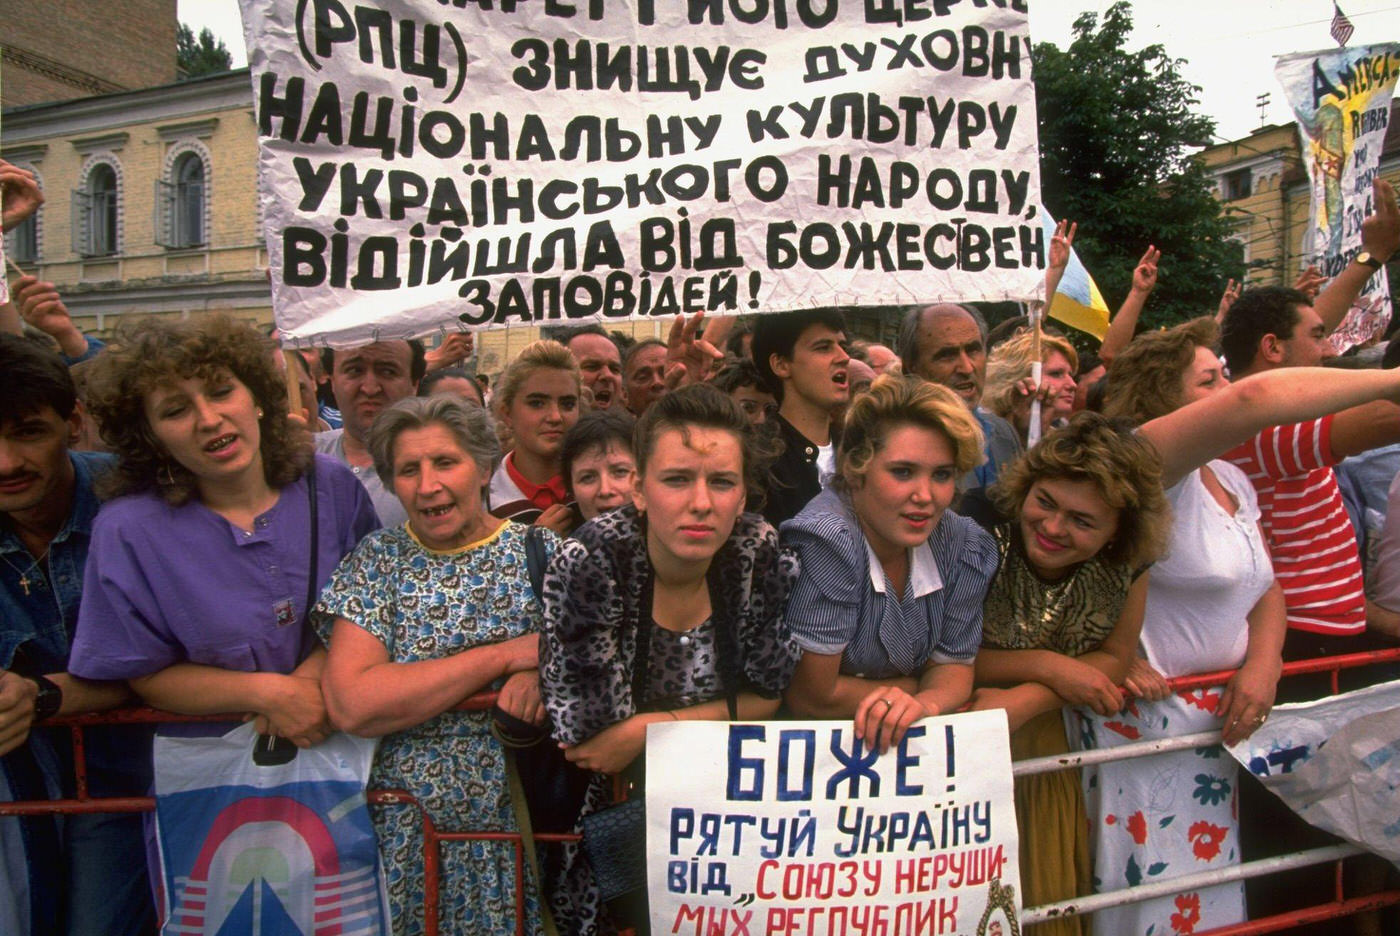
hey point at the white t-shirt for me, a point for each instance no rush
(826, 463)
(386, 503)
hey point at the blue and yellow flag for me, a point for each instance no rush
(1078, 302)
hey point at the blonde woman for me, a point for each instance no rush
(888, 611)
(1009, 371)
(537, 400)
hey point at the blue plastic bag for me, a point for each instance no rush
(280, 850)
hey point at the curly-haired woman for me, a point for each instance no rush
(1078, 520)
(888, 611)
(197, 577)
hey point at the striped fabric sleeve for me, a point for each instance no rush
(1294, 450)
(961, 632)
(824, 606)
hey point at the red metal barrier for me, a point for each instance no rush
(1341, 906)
(432, 837)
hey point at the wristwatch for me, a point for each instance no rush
(1365, 259)
(48, 701)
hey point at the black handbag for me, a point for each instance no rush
(553, 788)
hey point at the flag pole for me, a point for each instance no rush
(1033, 430)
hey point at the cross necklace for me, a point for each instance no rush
(24, 580)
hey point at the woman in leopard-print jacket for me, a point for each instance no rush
(671, 608)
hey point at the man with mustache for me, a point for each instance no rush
(367, 380)
(91, 868)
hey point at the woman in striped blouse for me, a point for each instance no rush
(888, 610)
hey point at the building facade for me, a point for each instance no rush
(1263, 186)
(151, 200)
(58, 50)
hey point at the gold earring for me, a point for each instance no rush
(164, 476)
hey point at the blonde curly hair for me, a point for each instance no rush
(894, 400)
(1010, 362)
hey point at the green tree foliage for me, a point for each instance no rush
(200, 56)
(1116, 129)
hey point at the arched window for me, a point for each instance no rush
(180, 203)
(97, 211)
(102, 189)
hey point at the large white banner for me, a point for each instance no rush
(797, 828)
(1341, 98)
(1336, 763)
(432, 164)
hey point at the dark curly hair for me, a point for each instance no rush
(1124, 467)
(154, 351)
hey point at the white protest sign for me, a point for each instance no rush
(429, 164)
(1341, 98)
(796, 828)
(1336, 763)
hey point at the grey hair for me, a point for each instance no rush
(908, 345)
(471, 426)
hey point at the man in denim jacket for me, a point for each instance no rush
(84, 874)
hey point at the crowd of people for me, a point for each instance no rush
(746, 521)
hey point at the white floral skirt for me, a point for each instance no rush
(1163, 816)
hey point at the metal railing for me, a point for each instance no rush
(1340, 906)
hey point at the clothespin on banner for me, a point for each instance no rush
(1037, 311)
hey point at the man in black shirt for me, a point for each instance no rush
(801, 356)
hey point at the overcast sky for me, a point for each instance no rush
(1229, 45)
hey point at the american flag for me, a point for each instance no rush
(1341, 26)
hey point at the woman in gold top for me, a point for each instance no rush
(1078, 519)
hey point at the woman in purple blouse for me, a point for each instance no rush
(197, 577)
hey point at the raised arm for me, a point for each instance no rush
(1192, 435)
(688, 357)
(1380, 237)
(42, 307)
(19, 194)
(1124, 324)
(1227, 299)
(1061, 243)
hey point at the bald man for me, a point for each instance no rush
(947, 344)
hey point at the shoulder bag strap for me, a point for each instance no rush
(535, 560)
(311, 589)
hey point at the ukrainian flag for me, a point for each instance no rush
(1078, 302)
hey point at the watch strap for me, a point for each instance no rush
(48, 701)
